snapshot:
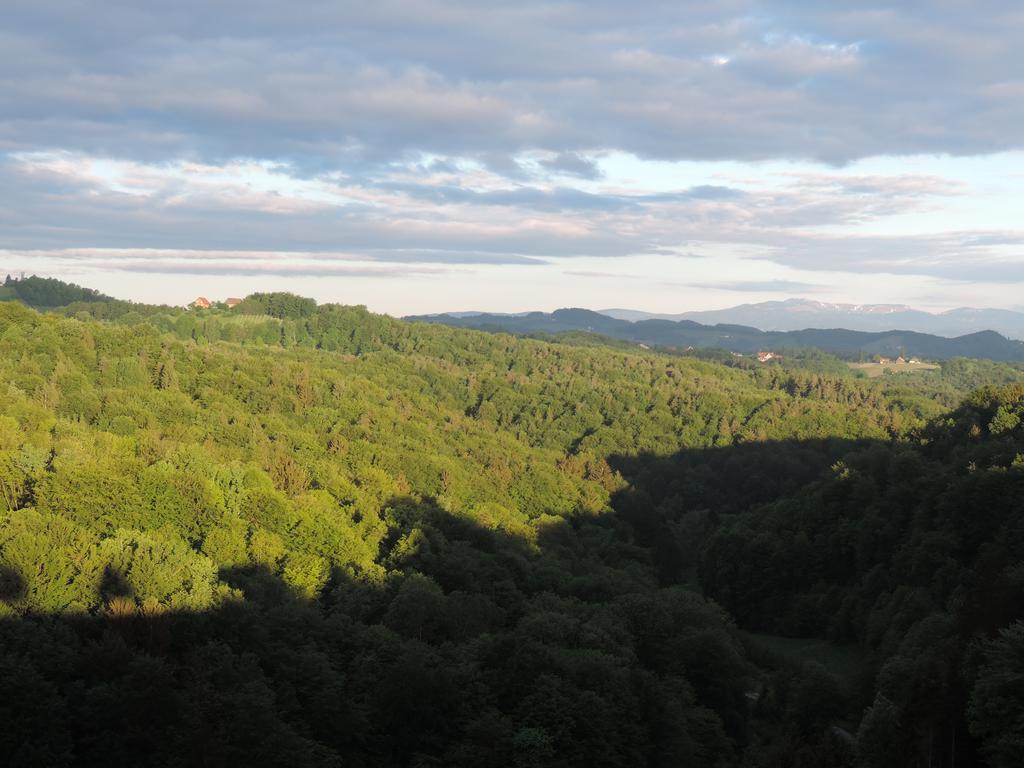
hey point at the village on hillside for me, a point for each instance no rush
(204, 303)
(898, 361)
(762, 356)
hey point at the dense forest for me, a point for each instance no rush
(290, 534)
(46, 292)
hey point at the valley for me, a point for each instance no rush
(342, 527)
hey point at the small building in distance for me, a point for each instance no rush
(232, 302)
(200, 303)
(764, 357)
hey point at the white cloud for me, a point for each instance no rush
(358, 136)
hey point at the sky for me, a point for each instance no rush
(452, 155)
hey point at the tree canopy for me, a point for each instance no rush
(311, 535)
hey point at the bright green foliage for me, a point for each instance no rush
(53, 565)
(160, 570)
(280, 305)
(286, 534)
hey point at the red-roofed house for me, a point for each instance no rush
(232, 302)
(201, 303)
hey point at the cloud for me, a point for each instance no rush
(593, 273)
(573, 164)
(439, 211)
(435, 137)
(221, 263)
(762, 286)
(966, 257)
(555, 198)
(67, 202)
(213, 266)
(330, 86)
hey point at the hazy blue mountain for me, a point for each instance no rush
(744, 339)
(636, 315)
(797, 314)
(473, 313)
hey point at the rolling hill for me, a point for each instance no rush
(742, 339)
(796, 314)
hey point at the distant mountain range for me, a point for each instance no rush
(740, 338)
(798, 314)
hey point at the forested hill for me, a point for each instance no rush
(295, 535)
(46, 292)
(743, 339)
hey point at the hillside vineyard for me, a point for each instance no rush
(296, 535)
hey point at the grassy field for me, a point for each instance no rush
(874, 370)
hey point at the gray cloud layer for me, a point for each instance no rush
(762, 286)
(461, 132)
(335, 85)
(49, 206)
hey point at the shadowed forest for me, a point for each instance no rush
(287, 534)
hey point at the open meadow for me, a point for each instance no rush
(874, 370)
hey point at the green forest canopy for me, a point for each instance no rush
(46, 292)
(301, 535)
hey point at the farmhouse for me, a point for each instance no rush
(204, 303)
(764, 357)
